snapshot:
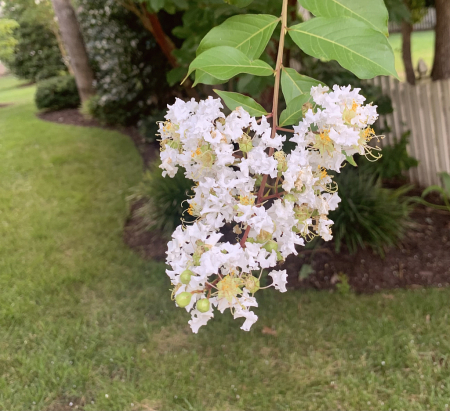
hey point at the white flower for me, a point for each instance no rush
(202, 140)
(279, 280)
(250, 318)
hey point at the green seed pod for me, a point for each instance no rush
(245, 147)
(185, 276)
(174, 144)
(290, 197)
(270, 245)
(203, 305)
(183, 299)
(279, 256)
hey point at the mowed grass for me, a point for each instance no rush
(84, 322)
(422, 47)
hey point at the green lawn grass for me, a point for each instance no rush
(84, 320)
(422, 45)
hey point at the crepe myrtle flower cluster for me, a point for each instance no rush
(272, 200)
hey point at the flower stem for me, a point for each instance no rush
(276, 90)
(274, 113)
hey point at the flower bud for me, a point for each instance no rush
(183, 299)
(245, 143)
(280, 156)
(270, 245)
(185, 276)
(203, 305)
(263, 236)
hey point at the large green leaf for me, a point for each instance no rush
(239, 3)
(233, 100)
(248, 33)
(358, 48)
(372, 12)
(294, 111)
(225, 62)
(294, 84)
(205, 78)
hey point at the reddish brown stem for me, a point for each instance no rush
(163, 41)
(245, 236)
(276, 195)
(287, 130)
(276, 90)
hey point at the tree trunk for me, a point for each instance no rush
(74, 44)
(441, 65)
(407, 29)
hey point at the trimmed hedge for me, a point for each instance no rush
(57, 93)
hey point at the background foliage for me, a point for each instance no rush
(129, 66)
(57, 93)
(37, 54)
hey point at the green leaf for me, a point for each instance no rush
(225, 62)
(446, 181)
(248, 33)
(356, 47)
(373, 13)
(305, 272)
(293, 113)
(205, 78)
(175, 75)
(350, 159)
(156, 5)
(294, 84)
(239, 3)
(233, 100)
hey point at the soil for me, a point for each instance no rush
(421, 260)
(4, 105)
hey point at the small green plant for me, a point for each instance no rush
(394, 161)
(443, 191)
(369, 215)
(305, 272)
(57, 93)
(164, 200)
(342, 286)
(86, 107)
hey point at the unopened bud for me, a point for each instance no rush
(183, 299)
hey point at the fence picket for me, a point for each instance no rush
(425, 111)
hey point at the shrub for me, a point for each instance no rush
(368, 215)
(148, 126)
(394, 161)
(163, 199)
(130, 69)
(57, 93)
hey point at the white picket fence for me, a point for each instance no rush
(423, 109)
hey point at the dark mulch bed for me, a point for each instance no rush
(151, 245)
(72, 116)
(423, 258)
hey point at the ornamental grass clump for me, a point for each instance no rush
(272, 200)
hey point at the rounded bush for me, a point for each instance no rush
(369, 215)
(57, 93)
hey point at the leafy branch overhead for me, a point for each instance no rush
(351, 32)
(273, 199)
